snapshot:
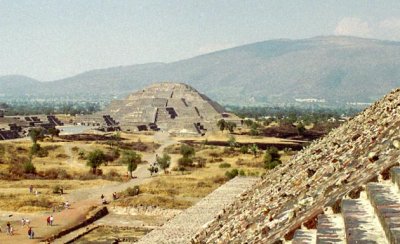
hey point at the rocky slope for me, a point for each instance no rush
(316, 179)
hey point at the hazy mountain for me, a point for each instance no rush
(331, 68)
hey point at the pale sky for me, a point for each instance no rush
(54, 39)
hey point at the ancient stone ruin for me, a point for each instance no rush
(173, 107)
(12, 127)
(342, 188)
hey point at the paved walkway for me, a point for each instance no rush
(184, 226)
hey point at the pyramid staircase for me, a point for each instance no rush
(373, 217)
(109, 120)
(54, 120)
(200, 128)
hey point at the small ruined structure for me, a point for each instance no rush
(173, 107)
(12, 127)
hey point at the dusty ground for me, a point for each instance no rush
(172, 191)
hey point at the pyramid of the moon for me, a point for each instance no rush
(173, 107)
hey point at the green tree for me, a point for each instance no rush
(244, 149)
(221, 124)
(232, 142)
(164, 162)
(272, 158)
(29, 168)
(95, 159)
(254, 149)
(248, 122)
(254, 129)
(53, 132)
(187, 151)
(35, 134)
(230, 126)
(300, 128)
(274, 152)
(131, 159)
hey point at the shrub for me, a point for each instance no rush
(82, 154)
(271, 158)
(2, 150)
(187, 151)
(29, 168)
(200, 162)
(87, 176)
(244, 149)
(214, 154)
(182, 169)
(56, 173)
(35, 148)
(224, 165)
(267, 158)
(185, 161)
(113, 155)
(132, 191)
(219, 179)
(56, 189)
(274, 152)
(62, 156)
(113, 175)
(242, 173)
(272, 164)
(42, 153)
(232, 173)
(217, 160)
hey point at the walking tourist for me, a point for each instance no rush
(31, 234)
(8, 228)
(51, 220)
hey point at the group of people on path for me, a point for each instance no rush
(24, 222)
(50, 220)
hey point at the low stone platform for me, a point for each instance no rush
(184, 226)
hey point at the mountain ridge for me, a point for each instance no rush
(335, 68)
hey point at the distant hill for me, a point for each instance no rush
(343, 69)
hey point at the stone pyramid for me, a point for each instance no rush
(342, 188)
(174, 107)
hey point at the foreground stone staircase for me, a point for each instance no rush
(372, 218)
(182, 227)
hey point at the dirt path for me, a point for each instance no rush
(71, 160)
(141, 172)
(81, 201)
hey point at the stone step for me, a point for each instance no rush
(361, 224)
(185, 225)
(395, 175)
(304, 237)
(385, 199)
(330, 229)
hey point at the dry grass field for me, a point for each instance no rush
(64, 165)
(179, 190)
